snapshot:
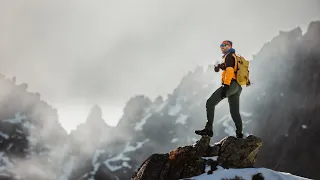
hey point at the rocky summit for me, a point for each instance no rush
(190, 161)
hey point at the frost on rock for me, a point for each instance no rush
(182, 119)
(122, 157)
(174, 110)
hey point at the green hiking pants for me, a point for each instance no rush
(233, 95)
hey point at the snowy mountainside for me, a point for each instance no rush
(29, 133)
(247, 174)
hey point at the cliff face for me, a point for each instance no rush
(29, 131)
(289, 122)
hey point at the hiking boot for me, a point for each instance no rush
(239, 135)
(204, 132)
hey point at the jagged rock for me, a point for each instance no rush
(187, 161)
(238, 153)
(182, 162)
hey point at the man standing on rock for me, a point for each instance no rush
(230, 89)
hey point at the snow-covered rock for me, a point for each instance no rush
(247, 174)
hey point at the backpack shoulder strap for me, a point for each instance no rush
(235, 62)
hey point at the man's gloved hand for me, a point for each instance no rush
(224, 90)
(216, 68)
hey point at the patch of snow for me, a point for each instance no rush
(32, 139)
(223, 118)
(95, 162)
(161, 106)
(5, 163)
(174, 110)
(96, 155)
(247, 173)
(246, 121)
(182, 119)
(17, 118)
(230, 130)
(126, 164)
(140, 124)
(67, 169)
(247, 114)
(207, 168)
(84, 176)
(129, 148)
(28, 125)
(10, 145)
(246, 134)
(304, 126)
(6, 136)
(126, 159)
(17, 130)
(194, 139)
(213, 158)
(174, 140)
(122, 156)
(227, 122)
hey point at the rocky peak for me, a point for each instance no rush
(313, 32)
(95, 117)
(134, 110)
(158, 100)
(189, 161)
(94, 126)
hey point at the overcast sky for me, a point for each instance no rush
(77, 53)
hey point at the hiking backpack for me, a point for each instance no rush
(242, 70)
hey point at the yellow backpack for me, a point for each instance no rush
(242, 70)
